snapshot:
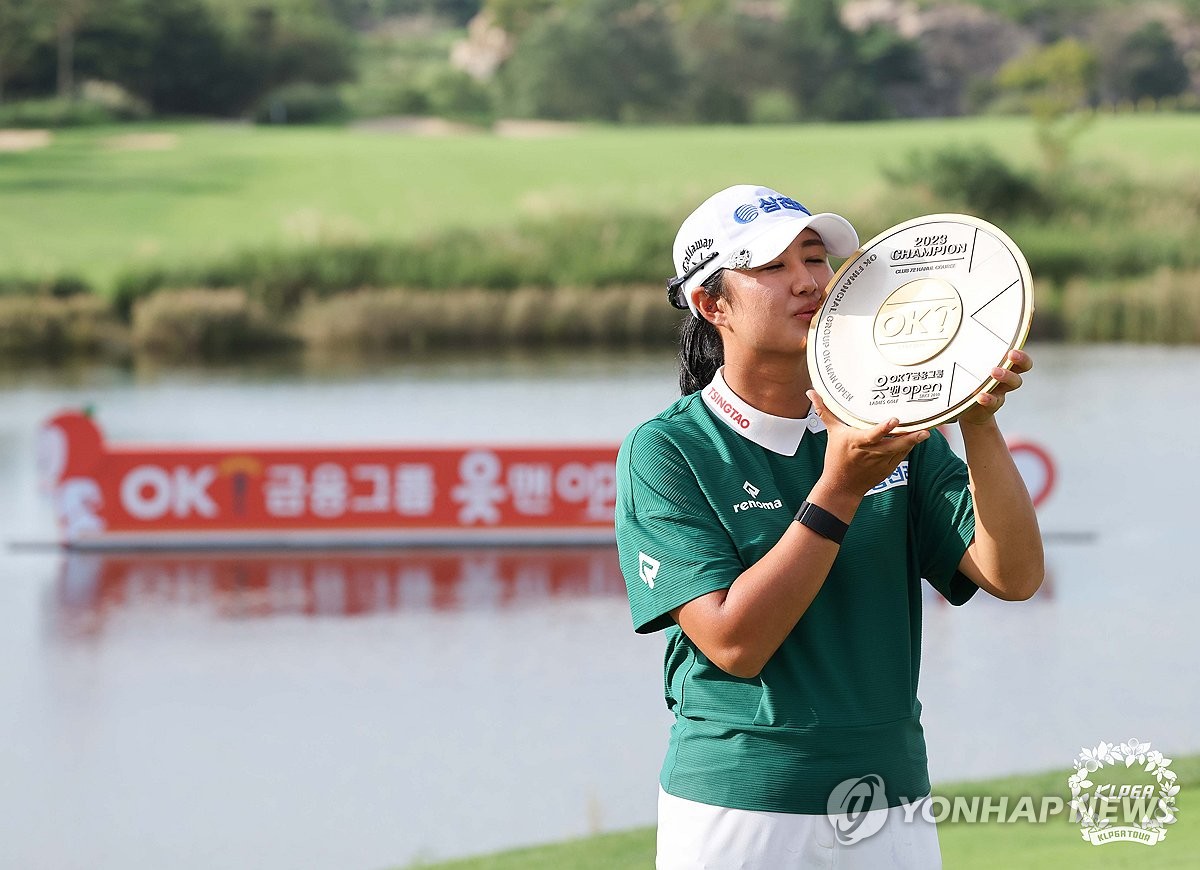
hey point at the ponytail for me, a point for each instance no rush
(701, 351)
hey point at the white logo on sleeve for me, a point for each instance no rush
(647, 569)
(751, 488)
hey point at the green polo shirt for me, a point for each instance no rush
(704, 490)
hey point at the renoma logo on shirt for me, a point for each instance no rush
(647, 569)
(750, 505)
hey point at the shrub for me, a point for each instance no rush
(974, 177)
(773, 106)
(203, 325)
(454, 94)
(60, 286)
(301, 104)
(563, 250)
(57, 112)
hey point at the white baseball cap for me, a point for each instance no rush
(742, 227)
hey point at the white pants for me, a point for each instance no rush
(695, 836)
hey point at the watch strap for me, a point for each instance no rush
(822, 522)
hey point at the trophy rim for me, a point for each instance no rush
(952, 413)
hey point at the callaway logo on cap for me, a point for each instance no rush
(742, 227)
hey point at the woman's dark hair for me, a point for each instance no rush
(701, 351)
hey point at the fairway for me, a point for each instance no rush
(95, 201)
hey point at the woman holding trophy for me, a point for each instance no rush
(782, 549)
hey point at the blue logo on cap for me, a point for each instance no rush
(745, 213)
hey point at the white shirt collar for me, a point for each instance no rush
(778, 434)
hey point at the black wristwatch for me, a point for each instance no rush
(822, 522)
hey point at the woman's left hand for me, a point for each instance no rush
(987, 404)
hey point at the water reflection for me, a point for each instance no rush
(92, 587)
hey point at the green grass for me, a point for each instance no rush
(989, 846)
(81, 206)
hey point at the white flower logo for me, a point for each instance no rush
(1151, 828)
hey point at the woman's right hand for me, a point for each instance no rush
(858, 459)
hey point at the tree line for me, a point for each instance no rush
(691, 61)
(725, 61)
(177, 57)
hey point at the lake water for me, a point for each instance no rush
(364, 710)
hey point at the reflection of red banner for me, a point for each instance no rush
(107, 495)
(350, 583)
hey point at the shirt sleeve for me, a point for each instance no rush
(672, 546)
(943, 518)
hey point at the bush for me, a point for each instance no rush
(56, 112)
(564, 250)
(773, 106)
(59, 286)
(973, 177)
(198, 324)
(302, 104)
(454, 94)
(52, 329)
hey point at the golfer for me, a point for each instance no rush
(783, 551)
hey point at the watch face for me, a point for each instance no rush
(913, 324)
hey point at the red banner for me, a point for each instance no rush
(128, 495)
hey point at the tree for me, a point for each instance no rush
(1052, 80)
(720, 63)
(69, 17)
(20, 21)
(821, 62)
(1148, 64)
(1056, 83)
(172, 54)
(515, 17)
(597, 59)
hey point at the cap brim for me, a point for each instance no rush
(838, 235)
(835, 231)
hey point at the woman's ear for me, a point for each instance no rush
(710, 308)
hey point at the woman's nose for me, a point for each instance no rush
(804, 282)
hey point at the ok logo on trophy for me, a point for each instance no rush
(909, 321)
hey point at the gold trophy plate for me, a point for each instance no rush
(913, 324)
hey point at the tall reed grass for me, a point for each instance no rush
(204, 325)
(568, 250)
(1164, 308)
(52, 329)
(399, 320)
